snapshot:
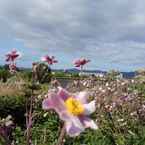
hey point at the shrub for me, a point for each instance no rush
(14, 105)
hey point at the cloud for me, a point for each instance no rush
(111, 32)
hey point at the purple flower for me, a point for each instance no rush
(72, 109)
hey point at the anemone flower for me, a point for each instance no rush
(11, 56)
(72, 109)
(50, 60)
(80, 63)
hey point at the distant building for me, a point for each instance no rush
(92, 73)
(101, 75)
(119, 76)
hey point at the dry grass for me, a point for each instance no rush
(11, 89)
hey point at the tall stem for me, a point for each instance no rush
(29, 122)
(81, 69)
(61, 136)
(29, 118)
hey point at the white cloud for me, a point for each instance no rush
(109, 31)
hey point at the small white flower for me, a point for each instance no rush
(8, 123)
(120, 120)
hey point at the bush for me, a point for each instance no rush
(14, 105)
(4, 75)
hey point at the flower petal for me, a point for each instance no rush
(63, 93)
(54, 102)
(90, 107)
(49, 102)
(74, 127)
(88, 123)
(82, 97)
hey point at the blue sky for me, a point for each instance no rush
(109, 32)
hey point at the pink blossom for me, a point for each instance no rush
(11, 56)
(50, 60)
(72, 109)
(81, 62)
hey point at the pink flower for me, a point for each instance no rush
(11, 56)
(72, 109)
(50, 60)
(81, 62)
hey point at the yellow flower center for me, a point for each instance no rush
(74, 106)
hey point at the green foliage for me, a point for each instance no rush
(11, 102)
(4, 74)
(26, 75)
(14, 105)
(65, 75)
(19, 136)
(60, 74)
(111, 131)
